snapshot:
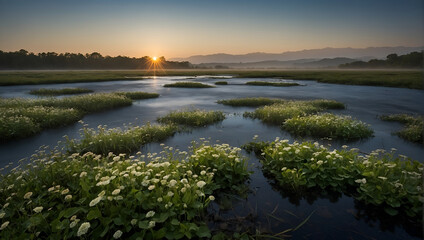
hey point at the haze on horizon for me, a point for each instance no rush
(183, 28)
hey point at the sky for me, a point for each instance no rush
(181, 28)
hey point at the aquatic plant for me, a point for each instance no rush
(188, 85)
(21, 118)
(117, 140)
(192, 117)
(221, 83)
(280, 112)
(250, 102)
(138, 95)
(414, 126)
(328, 125)
(273, 84)
(57, 92)
(380, 178)
(152, 196)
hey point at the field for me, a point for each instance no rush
(389, 78)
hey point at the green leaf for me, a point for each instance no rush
(175, 222)
(94, 214)
(143, 224)
(203, 232)
(161, 217)
(118, 221)
(70, 212)
(391, 211)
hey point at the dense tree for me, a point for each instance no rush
(22, 59)
(410, 60)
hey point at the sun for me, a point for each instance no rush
(155, 58)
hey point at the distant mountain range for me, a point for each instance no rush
(311, 54)
(300, 63)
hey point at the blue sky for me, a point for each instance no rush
(183, 28)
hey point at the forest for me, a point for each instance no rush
(410, 60)
(23, 59)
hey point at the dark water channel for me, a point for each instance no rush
(266, 207)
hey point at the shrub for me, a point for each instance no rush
(328, 125)
(117, 140)
(57, 92)
(188, 85)
(103, 197)
(273, 84)
(380, 178)
(250, 102)
(195, 117)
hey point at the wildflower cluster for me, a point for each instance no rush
(380, 178)
(147, 196)
(194, 117)
(280, 112)
(414, 126)
(116, 140)
(328, 125)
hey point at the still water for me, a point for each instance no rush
(265, 207)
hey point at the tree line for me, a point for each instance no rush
(410, 60)
(23, 59)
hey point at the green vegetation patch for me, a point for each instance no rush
(117, 140)
(381, 178)
(278, 113)
(328, 125)
(138, 95)
(414, 126)
(194, 117)
(188, 85)
(21, 118)
(165, 196)
(250, 102)
(221, 83)
(273, 84)
(57, 92)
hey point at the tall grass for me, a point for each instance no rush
(61, 196)
(194, 117)
(118, 140)
(280, 112)
(388, 78)
(414, 126)
(188, 85)
(57, 92)
(138, 95)
(328, 125)
(273, 84)
(250, 102)
(21, 118)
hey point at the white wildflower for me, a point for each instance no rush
(150, 214)
(152, 224)
(27, 195)
(68, 197)
(83, 229)
(151, 187)
(95, 201)
(2, 215)
(200, 184)
(116, 191)
(211, 197)
(4, 225)
(66, 191)
(117, 234)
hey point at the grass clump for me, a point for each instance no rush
(194, 117)
(273, 84)
(21, 118)
(57, 92)
(278, 113)
(250, 102)
(188, 85)
(117, 140)
(138, 95)
(221, 83)
(165, 196)
(380, 178)
(328, 125)
(414, 126)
